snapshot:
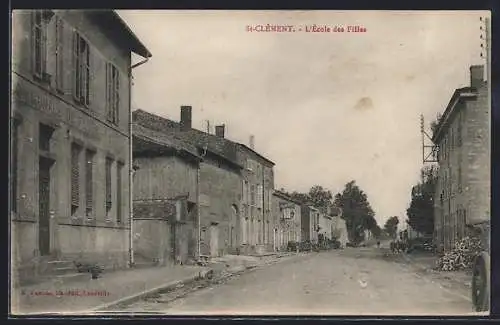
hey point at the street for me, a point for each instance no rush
(353, 281)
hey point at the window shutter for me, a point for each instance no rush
(86, 74)
(89, 197)
(108, 184)
(76, 67)
(75, 176)
(117, 97)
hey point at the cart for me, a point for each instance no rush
(481, 270)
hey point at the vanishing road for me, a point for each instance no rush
(354, 281)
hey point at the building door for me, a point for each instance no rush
(44, 205)
(214, 240)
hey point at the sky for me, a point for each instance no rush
(327, 108)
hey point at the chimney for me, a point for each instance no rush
(219, 130)
(186, 112)
(476, 76)
(252, 142)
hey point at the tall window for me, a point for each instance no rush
(59, 54)
(39, 42)
(89, 180)
(109, 199)
(75, 177)
(112, 93)
(81, 65)
(119, 190)
(14, 166)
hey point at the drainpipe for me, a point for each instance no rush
(131, 166)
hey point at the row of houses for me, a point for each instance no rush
(91, 180)
(201, 194)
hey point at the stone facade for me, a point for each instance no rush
(219, 181)
(286, 219)
(165, 180)
(258, 186)
(310, 223)
(63, 130)
(463, 187)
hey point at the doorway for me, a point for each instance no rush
(45, 165)
(214, 240)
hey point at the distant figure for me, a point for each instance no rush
(393, 247)
(378, 244)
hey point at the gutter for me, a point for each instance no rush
(198, 210)
(131, 167)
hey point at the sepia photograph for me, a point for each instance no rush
(250, 162)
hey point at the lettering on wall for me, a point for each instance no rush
(35, 99)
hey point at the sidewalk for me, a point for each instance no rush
(84, 296)
(114, 288)
(426, 263)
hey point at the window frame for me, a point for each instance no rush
(38, 43)
(89, 183)
(81, 69)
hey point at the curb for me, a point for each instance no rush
(134, 297)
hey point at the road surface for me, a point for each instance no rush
(353, 281)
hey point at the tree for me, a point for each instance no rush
(320, 197)
(357, 212)
(421, 210)
(391, 226)
(301, 197)
(434, 124)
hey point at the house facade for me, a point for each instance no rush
(462, 135)
(339, 230)
(219, 181)
(286, 219)
(310, 223)
(70, 115)
(325, 226)
(258, 186)
(165, 198)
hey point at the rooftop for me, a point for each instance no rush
(221, 147)
(117, 26)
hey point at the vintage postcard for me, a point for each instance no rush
(250, 162)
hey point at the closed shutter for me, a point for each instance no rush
(76, 66)
(116, 107)
(89, 180)
(75, 176)
(119, 191)
(109, 200)
(60, 54)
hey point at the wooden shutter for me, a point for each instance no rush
(119, 191)
(76, 66)
(109, 109)
(116, 108)
(86, 73)
(75, 175)
(89, 190)
(59, 53)
(109, 202)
